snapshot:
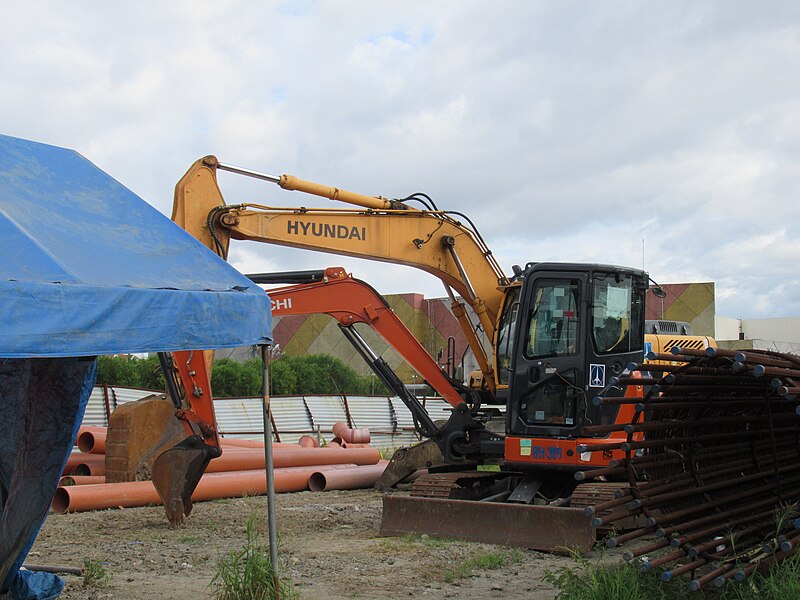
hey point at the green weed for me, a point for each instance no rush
(597, 581)
(248, 574)
(94, 574)
(486, 562)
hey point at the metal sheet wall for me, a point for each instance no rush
(388, 419)
(292, 419)
(325, 411)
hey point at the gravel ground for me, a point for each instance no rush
(330, 548)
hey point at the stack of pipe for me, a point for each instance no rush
(712, 465)
(90, 460)
(238, 471)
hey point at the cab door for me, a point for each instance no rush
(548, 371)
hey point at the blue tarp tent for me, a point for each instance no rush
(88, 268)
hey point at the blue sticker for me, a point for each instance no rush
(648, 348)
(597, 375)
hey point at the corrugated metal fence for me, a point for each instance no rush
(389, 421)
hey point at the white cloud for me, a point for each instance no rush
(567, 131)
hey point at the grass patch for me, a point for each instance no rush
(594, 581)
(94, 574)
(248, 574)
(486, 562)
(187, 539)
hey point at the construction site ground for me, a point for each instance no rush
(330, 548)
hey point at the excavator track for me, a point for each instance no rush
(594, 494)
(463, 485)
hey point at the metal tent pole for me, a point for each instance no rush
(272, 530)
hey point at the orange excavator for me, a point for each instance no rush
(547, 341)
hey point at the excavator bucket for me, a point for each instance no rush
(146, 441)
(406, 461)
(138, 432)
(176, 473)
(549, 528)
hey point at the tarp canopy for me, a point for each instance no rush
(89, 268)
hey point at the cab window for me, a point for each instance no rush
(616, 314)
(505, 336)
(553, 319)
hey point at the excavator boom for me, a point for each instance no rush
(431, 240)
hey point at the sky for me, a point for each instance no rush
(663, 134)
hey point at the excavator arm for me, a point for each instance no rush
(384, 230)
(351, 301)
(177, 471)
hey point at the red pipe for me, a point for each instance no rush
(82, 498)
(96, 428)
(324, 480)
(75, 458)
(308, 441)
(235, 442)
(81, 480)
(294, 457)
(91, 467)
(92, 442)
(79, 458)
(339, 442)
(351, 436)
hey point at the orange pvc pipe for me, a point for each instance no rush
(96, 428)
(294, 457)
(308, 441)
(234, 442)
(324, 480)
(92, 442)
(81, 498)
(339, 442)
(81, 480)
(351, 436)
(95, 466)
(74, 459)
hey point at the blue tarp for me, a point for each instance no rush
(87, 268)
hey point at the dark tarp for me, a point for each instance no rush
(88, 268)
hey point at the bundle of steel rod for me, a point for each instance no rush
(712, 465)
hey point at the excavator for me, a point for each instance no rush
(547, 340)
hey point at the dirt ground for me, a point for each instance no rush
(329, 547)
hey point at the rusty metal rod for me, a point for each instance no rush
(663, 559)
(615, 541)
(678, 571)
(677, 524)
(629, 556)
(694, 535)
(626, 446)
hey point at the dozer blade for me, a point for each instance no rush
(548, 528)
(176, 473)
(406, 461)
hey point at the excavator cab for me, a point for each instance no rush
(575, 327)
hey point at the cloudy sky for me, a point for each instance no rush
(623, 132)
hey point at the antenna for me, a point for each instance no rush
(643, 269)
